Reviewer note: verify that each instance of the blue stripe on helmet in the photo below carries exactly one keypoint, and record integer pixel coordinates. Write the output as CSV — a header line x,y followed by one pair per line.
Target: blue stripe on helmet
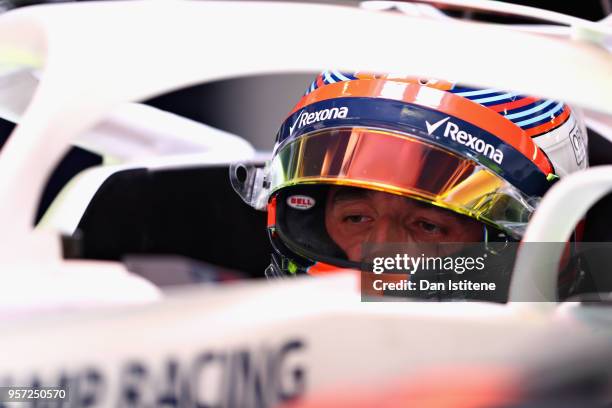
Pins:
x,y
544,117
328,78
341,76
520,113
476,92
526,107
496,98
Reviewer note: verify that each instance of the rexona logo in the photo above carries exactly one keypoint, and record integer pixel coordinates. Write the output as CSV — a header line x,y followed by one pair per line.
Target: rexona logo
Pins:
x,y
301,202
306,118
472,142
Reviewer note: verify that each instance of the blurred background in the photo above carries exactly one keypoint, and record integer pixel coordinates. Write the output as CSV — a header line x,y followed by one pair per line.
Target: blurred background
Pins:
x,y
264,101
171,212
254,107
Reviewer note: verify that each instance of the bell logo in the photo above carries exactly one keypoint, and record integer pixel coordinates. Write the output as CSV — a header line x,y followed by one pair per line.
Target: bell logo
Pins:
x,y
300,202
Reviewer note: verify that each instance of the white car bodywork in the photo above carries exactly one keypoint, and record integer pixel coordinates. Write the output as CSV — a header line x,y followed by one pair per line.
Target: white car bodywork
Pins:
x,y
120,56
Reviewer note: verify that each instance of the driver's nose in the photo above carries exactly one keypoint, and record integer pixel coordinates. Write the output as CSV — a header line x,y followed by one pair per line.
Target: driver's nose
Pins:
x,y
388,229
387,239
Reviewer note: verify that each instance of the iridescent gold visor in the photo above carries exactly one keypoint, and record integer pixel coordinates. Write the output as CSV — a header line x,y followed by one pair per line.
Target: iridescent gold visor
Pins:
x,y
395,163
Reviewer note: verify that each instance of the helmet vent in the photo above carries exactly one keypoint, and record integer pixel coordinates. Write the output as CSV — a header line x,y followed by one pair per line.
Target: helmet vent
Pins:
x,y
241,173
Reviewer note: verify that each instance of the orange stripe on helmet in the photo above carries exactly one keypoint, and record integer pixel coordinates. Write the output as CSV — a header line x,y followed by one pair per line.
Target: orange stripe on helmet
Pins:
x,y
320,81
365,75
430,82
442,101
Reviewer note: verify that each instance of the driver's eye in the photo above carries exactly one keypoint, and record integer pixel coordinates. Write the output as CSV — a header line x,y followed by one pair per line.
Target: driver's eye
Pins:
x,y
429,227
356,219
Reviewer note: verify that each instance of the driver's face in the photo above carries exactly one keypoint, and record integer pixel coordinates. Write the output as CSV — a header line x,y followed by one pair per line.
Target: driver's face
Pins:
x,y
356,216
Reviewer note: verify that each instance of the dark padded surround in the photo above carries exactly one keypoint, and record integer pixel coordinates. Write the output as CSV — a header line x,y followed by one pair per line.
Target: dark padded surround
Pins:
x,y
194,212
191,212
598,227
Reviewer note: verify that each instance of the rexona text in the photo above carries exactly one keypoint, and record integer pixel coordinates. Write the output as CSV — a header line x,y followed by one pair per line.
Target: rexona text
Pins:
x,y
473,142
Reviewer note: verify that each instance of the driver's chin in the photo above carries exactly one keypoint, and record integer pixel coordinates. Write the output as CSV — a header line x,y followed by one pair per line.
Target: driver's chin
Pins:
x,y
354,254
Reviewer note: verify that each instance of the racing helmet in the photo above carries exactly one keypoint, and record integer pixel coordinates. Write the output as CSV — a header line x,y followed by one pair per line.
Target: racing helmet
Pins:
x,y
486,154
